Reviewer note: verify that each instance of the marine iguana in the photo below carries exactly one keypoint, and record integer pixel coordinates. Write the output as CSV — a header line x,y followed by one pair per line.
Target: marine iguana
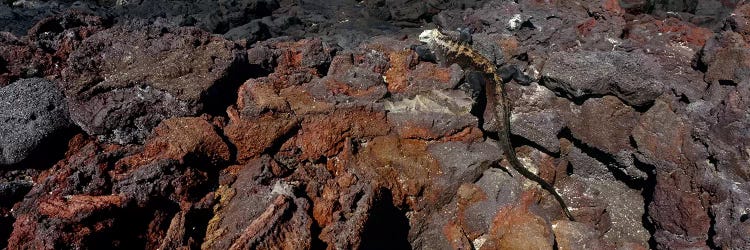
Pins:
x,y
449,50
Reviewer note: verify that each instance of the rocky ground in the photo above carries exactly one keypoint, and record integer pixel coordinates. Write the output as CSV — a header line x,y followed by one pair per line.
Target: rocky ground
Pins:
x,y
278,124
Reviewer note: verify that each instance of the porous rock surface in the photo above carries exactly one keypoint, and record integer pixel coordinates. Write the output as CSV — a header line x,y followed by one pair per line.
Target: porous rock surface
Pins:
x,y
303,125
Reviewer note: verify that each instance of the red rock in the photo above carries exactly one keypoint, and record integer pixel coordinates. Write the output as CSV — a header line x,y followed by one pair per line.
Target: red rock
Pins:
x,y
677,210
457,237
253,136
406,161
401,62
357,76
45,50
324,135
614,6
659,134
295,235
184,139
669,31
516,227
259,95
76,207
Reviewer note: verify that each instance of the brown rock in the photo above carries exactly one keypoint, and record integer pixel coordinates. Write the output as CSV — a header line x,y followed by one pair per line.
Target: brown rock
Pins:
x,y
259,95
252,215
605,124
609,207
571,235
253,136
146,77
728,59
515,227
44,52
75,207
678,212
401,62
356,76
659,134
185,139
325,135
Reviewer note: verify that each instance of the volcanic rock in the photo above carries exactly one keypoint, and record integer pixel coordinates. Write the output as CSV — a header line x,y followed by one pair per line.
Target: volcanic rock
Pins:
x,y
34,116
631,77
123,81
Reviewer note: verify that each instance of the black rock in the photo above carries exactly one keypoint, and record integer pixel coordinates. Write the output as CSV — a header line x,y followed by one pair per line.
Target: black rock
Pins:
x,y
32,112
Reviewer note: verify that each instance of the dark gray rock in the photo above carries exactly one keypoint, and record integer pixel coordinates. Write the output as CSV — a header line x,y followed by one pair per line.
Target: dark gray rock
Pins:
x,y
536,115
32,112
633,77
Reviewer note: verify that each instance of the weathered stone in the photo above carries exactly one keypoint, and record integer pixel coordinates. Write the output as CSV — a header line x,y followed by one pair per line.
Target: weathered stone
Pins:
x,y
45,50
659,135
145,78
496,189
33,118
570,235
516,227
253,215
632,77
184,139
605,124
324,135
253,136
727,58
356,77
624,209
536,115
432,115
679,215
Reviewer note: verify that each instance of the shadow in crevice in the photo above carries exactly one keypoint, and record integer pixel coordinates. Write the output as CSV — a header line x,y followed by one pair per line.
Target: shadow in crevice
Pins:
x,y
647,191
6,228
387,227
607,160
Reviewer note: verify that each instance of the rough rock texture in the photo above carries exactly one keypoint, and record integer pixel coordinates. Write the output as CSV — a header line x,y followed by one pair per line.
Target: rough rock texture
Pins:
x,y
264,124
629,76
44,51
33,118
121,82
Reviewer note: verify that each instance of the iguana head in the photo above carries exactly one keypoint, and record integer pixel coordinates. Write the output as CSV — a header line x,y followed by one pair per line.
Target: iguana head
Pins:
x,y
430,36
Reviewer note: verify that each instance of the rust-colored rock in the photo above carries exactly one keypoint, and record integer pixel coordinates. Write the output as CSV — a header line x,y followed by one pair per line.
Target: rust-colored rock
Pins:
x,y
659,134
324,135
516,227
253,136
253,215
123,81
185,139
44,52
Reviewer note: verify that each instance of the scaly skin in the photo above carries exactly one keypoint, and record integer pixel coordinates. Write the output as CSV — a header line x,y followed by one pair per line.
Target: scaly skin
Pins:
x,y
465,56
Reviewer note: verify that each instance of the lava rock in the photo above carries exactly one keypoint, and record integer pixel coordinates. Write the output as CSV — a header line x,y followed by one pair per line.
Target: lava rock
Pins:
x,y
251,214
433,115
536,114
727,59
34,114
604,125
123,81
632,77
45,50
